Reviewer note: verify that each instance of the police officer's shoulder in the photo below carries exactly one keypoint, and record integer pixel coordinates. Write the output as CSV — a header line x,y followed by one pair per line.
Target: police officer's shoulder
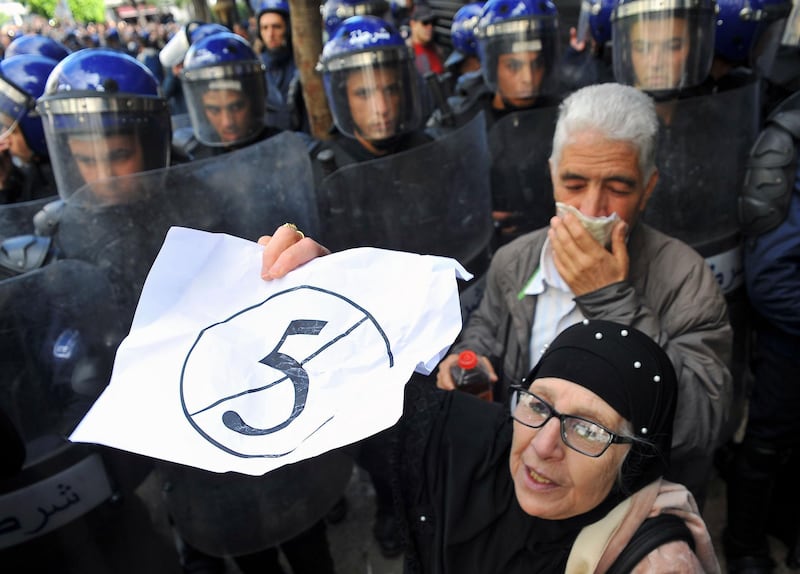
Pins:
x,y
24,253
771,170
46,220
184,144
328,155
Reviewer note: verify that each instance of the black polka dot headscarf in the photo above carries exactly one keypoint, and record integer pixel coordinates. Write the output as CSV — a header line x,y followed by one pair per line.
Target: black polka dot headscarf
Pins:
x,y
629,371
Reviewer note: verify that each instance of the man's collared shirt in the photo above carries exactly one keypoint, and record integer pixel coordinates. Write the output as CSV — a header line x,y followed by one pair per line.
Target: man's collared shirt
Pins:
x,y
555,304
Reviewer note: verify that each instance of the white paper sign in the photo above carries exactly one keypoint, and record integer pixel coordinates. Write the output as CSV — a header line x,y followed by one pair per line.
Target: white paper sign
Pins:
x,y
226,372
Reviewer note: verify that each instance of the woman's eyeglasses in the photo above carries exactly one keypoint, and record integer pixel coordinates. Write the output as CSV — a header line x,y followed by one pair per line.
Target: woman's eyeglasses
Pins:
x,y
580,434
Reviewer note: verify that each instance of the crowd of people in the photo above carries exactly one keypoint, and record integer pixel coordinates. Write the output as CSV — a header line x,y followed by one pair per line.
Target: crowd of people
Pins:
x,y
629,199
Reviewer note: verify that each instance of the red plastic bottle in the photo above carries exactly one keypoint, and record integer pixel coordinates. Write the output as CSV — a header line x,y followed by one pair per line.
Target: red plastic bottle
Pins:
x,y
470,376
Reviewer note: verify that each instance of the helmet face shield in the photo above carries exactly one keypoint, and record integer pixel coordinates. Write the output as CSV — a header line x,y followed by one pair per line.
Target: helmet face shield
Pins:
x,y
663,46
14,105
93,139
226,102
518,58
791,34
374,95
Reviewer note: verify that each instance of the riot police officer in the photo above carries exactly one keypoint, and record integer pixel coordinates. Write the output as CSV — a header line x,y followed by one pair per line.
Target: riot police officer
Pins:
x,y
372,88
464,57
285,105
431,198
664,49
223,81
761,492
171,58
103,117
782,71
746,38
25,167
518,50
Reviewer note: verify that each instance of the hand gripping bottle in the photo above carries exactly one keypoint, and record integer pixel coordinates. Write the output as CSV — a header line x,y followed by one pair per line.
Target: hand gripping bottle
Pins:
x,y
470,376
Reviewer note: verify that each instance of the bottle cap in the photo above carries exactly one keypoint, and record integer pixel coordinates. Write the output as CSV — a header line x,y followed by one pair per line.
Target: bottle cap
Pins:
x,y
467,359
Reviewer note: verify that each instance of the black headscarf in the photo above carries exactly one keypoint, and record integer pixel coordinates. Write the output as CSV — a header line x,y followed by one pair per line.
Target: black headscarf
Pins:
x,y
629,371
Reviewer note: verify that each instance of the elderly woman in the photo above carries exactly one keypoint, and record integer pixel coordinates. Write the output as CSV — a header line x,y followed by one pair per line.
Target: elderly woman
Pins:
x,y
563,485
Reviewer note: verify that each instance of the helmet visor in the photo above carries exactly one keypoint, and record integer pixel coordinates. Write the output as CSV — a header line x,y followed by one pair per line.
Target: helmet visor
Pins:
x,y
791,34
375,102
226,109
518,58
14,104
93,139
666,49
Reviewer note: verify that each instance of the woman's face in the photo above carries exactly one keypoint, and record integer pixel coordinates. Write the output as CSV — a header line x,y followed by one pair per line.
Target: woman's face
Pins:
x,y
551,480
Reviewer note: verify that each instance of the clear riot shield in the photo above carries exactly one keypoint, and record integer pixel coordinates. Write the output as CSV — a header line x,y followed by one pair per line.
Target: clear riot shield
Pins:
x,y
68,507
432,199
701,161
520,144
17,218
233,514
120,223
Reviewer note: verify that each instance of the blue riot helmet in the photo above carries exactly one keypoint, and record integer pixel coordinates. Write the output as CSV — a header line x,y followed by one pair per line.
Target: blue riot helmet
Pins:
x,y
103,117
223,81
36,44
175,50
371,80
22,81
663,46
335,12
279,6
748,28
518,49
462,34
400,11
594,21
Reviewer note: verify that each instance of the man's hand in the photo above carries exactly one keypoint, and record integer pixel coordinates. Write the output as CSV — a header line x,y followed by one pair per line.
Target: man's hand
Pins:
x,y
444,380
287,249
581,261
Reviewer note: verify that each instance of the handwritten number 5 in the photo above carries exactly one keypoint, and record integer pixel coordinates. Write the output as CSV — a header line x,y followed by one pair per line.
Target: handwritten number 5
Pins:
x,y
293,370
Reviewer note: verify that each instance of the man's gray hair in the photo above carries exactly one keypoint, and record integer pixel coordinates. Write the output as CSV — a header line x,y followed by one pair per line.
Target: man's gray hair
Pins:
x,y
616,112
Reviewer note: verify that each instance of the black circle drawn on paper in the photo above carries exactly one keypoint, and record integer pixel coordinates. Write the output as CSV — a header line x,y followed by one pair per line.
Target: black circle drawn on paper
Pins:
x,y
291,368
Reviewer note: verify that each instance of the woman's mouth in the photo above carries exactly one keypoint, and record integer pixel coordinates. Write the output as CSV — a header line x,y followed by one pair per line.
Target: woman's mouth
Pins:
x,y
538,478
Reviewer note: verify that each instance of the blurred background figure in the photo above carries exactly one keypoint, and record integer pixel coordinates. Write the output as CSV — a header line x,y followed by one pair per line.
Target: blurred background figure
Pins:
x,y
284,99
426,53
587,58
334,12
